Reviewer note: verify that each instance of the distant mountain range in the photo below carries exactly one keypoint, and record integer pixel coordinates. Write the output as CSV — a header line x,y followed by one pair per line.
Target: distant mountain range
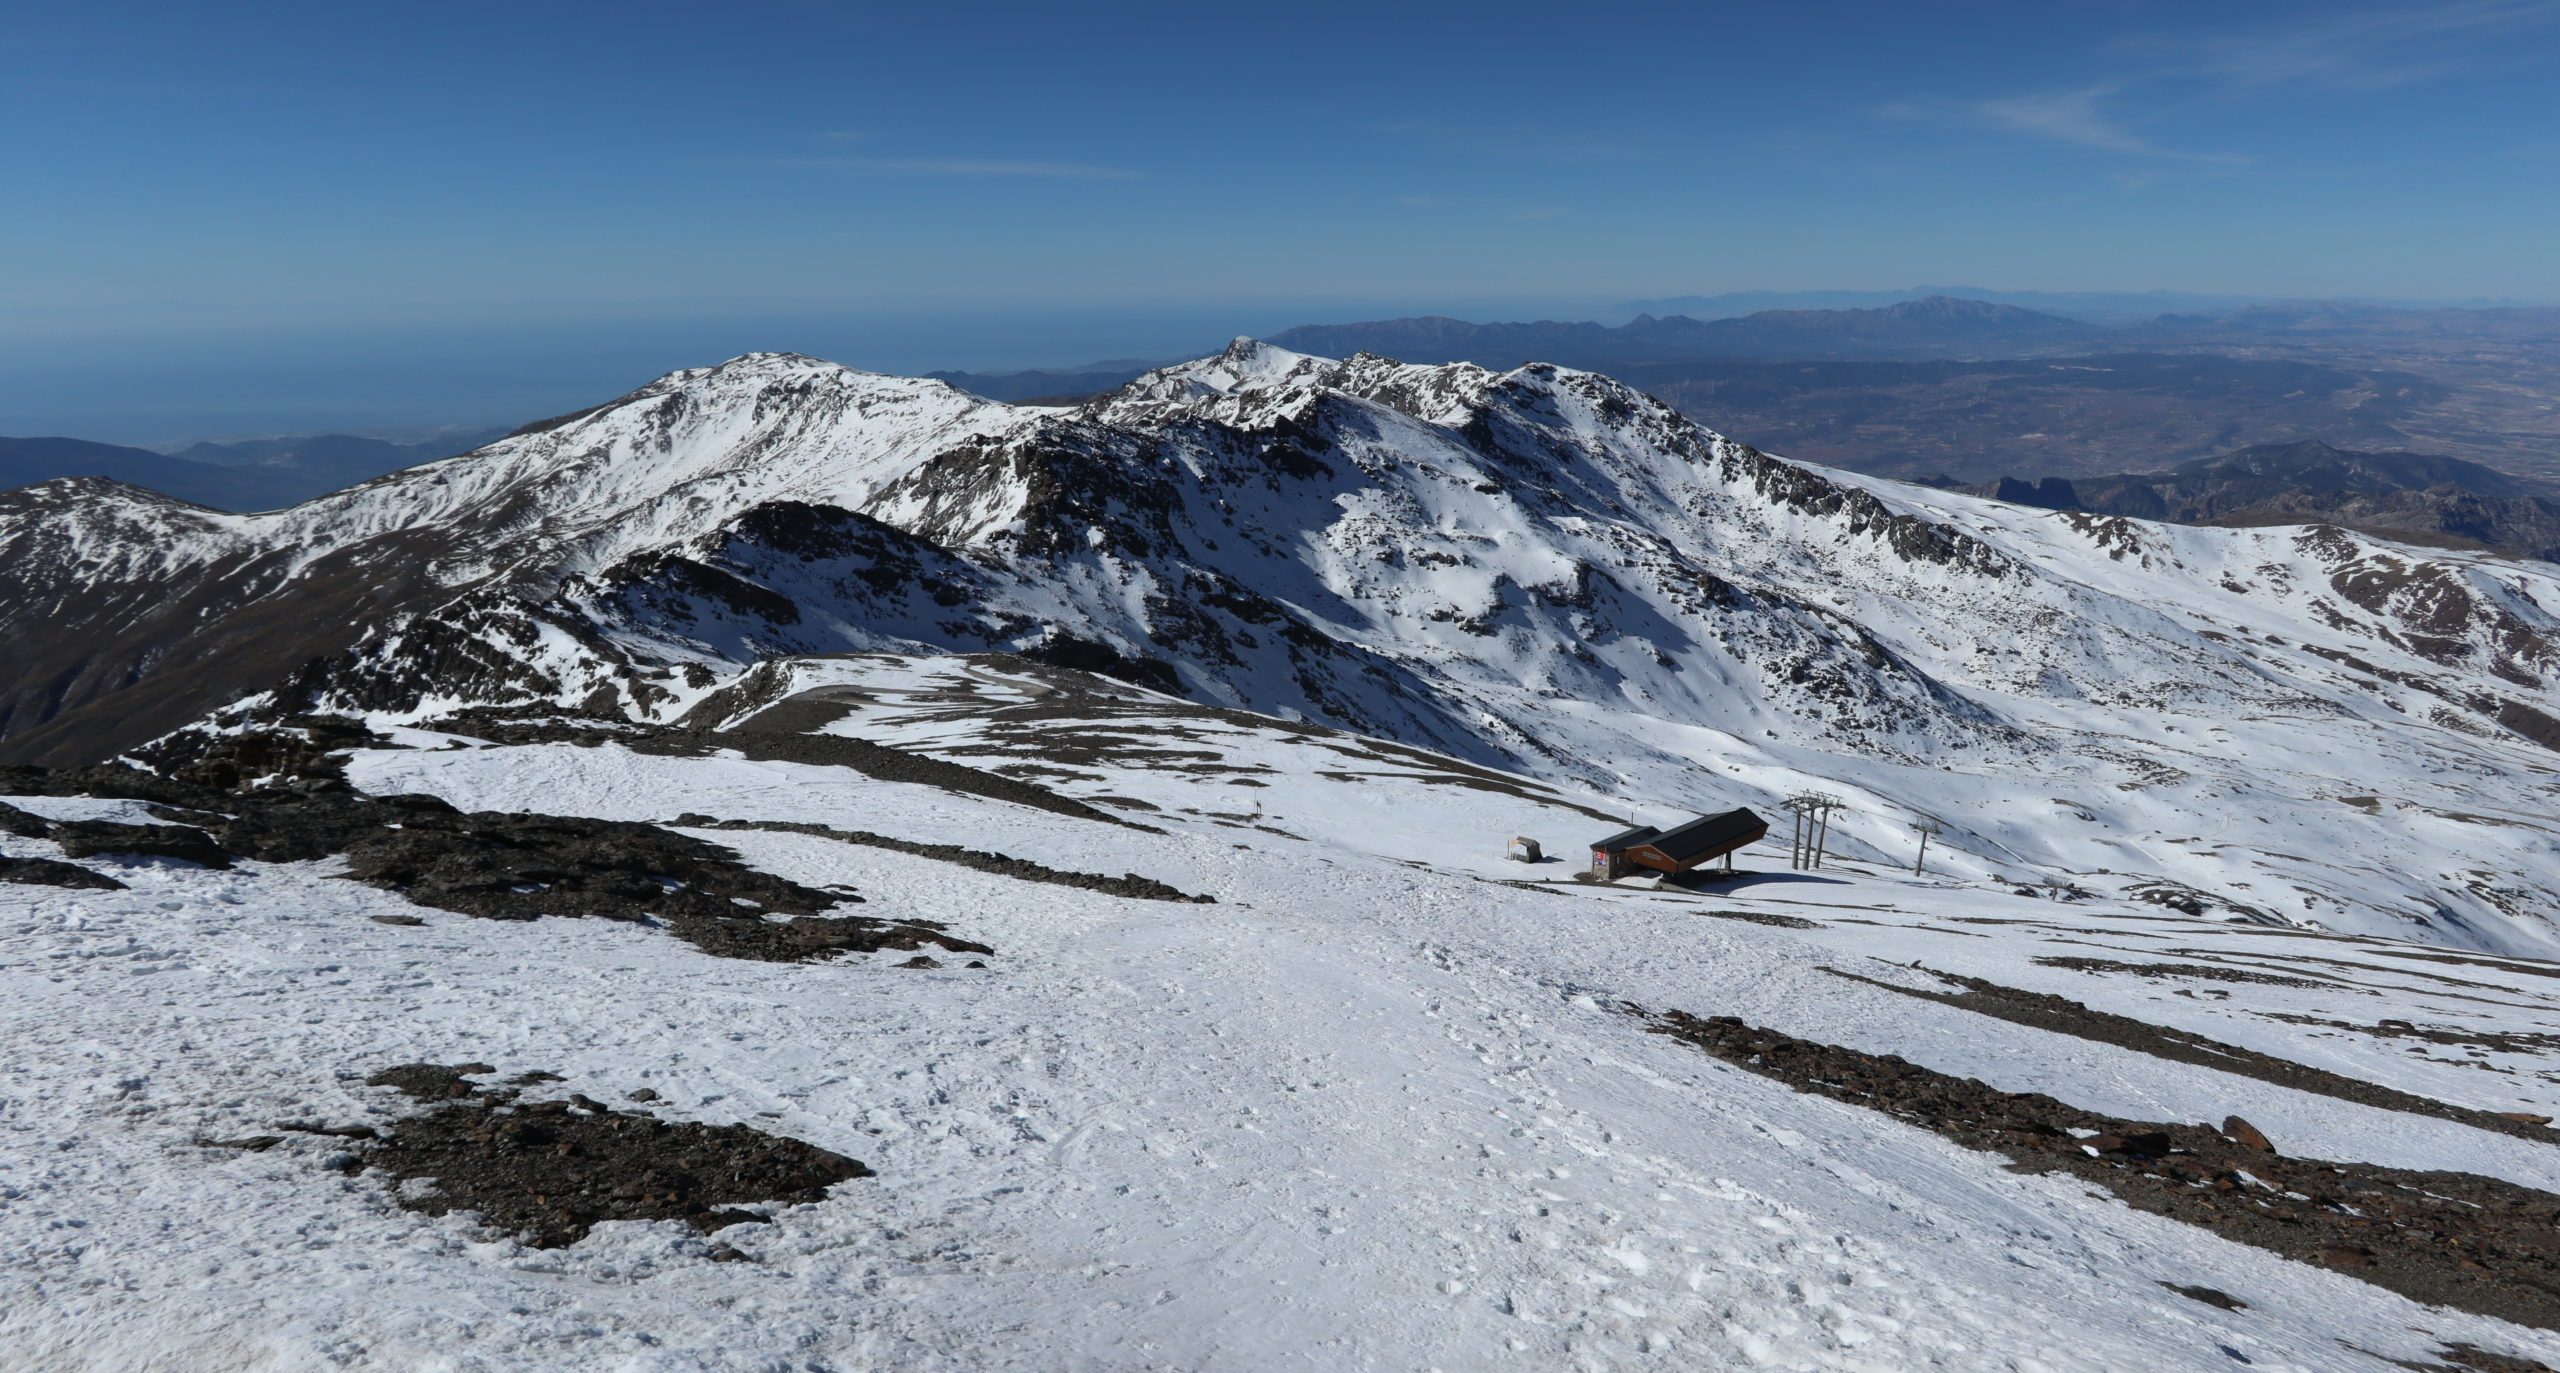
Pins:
x,y
1965,353
253,474
2409,496
2097,306
2102,307
1931,327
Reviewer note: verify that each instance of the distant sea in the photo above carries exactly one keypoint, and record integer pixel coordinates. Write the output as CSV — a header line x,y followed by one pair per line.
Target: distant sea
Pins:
x,y
215,383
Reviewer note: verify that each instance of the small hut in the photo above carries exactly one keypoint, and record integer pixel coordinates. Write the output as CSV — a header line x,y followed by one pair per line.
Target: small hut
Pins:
x,y
1609,856
1679,848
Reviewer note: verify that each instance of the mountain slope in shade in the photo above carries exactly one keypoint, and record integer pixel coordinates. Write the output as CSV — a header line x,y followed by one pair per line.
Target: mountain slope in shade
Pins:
x,y
111,584
2412,496
1536,568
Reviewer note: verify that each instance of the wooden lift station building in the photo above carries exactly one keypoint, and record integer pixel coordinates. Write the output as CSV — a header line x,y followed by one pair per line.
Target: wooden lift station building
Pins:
x,y
1677,849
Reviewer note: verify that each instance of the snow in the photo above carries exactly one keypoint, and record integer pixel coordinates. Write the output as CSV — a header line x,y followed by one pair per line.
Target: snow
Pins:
x,y
687,451
1372,1109
2107,703
1379,1106
1536,569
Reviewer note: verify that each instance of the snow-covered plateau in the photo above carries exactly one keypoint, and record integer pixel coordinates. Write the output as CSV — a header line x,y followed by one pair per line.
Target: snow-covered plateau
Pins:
x,y
1092,821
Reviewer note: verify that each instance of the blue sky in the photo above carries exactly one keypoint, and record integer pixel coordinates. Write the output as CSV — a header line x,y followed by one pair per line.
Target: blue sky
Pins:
x,y
229,194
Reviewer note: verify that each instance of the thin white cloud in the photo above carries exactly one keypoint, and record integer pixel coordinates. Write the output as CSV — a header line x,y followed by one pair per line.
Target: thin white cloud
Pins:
x,y
2078,117
2065,116
2369,50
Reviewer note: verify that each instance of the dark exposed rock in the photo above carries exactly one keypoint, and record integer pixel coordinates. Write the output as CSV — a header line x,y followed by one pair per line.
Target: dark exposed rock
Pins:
x,y
2061,1015
522,867
2193,971
2246,1135
111,781
247,1144
549,1171
89,838
1002,865
2210,1296
46,872
495,866
2139,1144
1091,655
308,1127
2539,726
1772,918
2464,1357
306,753
289,828
2474,1243
686,577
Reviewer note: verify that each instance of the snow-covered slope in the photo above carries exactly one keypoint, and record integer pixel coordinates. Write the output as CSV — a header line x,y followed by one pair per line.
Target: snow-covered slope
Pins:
x,y
1538,569
1387,1104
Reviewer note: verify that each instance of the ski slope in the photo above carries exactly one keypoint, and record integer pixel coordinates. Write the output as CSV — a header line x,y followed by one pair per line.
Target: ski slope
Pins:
x,y
1377,1107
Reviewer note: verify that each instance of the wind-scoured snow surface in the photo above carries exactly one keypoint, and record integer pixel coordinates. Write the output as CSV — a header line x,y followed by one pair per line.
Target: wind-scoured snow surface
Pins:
x,y
1375,1108
1540,570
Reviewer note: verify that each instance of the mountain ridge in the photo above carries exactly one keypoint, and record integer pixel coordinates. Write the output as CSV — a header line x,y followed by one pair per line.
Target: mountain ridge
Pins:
x,y
1538,569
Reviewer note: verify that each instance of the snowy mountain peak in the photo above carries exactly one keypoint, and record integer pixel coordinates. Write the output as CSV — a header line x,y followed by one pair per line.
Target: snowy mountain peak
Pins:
x,y
1248,356
1245,366
1540,570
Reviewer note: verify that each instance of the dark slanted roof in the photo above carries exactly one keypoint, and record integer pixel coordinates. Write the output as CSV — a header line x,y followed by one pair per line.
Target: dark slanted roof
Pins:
x,y
1625,839
1708,834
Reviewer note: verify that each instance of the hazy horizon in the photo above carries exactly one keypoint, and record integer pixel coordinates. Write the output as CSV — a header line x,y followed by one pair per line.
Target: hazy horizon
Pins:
x,y
216,384
285,218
